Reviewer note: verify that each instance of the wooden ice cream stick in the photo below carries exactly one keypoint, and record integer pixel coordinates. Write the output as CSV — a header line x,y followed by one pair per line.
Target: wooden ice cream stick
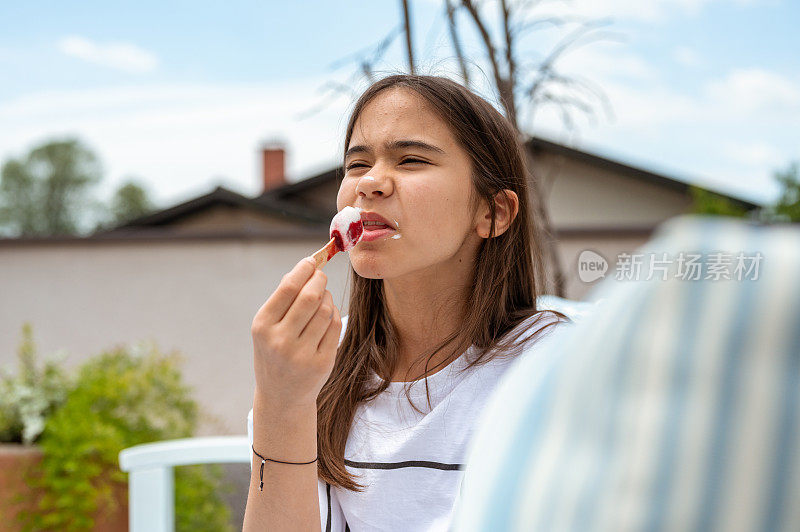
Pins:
x,y
325,253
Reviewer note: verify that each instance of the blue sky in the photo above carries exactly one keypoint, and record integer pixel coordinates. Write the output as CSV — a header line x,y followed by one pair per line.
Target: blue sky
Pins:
x,y
179,95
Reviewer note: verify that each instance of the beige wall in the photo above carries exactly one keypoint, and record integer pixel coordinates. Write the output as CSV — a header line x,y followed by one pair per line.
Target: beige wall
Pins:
x,y
581,195
197,297
611,212
609,247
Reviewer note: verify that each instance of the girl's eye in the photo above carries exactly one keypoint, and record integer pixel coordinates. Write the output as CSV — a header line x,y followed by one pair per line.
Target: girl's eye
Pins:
x,y
412,160
354,165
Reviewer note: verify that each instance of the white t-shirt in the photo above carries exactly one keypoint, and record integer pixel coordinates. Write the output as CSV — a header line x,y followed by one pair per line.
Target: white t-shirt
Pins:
x,y
411,464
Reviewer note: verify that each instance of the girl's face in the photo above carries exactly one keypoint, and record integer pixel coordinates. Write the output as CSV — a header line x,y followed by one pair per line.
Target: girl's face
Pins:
x,y
403,166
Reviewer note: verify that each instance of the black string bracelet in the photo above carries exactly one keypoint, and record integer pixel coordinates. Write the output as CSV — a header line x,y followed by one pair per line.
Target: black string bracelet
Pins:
x,y
265,460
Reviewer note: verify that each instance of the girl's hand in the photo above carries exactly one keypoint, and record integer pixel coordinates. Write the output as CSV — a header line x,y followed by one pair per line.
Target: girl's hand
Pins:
x,y
295,335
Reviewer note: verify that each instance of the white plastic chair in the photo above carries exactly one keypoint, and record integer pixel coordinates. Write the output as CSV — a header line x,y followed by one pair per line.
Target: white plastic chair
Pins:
x,y
151,490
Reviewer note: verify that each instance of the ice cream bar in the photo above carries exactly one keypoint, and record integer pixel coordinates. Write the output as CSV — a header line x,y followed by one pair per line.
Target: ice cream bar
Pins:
x,y
346,230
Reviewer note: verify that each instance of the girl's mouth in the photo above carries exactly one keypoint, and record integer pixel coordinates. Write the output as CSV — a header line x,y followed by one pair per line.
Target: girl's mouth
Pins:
x,y
376,230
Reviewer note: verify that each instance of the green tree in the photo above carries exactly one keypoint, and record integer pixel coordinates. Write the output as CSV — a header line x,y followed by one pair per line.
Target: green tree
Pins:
x,y
130,201
707,202
48,191
787,208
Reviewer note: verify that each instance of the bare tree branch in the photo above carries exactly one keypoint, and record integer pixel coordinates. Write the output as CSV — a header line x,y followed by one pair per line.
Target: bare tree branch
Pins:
x,y
456,41
366,69
519,83
580,84
330,92
508,79
487,40
563,103
374,52
407,26
574,40
510,63
504,86
546,74
541,215
365,60
526,26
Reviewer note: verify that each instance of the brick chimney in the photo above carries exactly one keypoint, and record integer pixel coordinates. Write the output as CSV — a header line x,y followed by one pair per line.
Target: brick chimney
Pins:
x,y
273,164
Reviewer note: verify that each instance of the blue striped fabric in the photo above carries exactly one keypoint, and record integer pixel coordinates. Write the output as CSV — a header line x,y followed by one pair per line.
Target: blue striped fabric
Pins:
x,y
674,406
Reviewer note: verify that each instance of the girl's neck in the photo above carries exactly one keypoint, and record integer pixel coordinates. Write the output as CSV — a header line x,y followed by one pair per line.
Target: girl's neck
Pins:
x,y
425,309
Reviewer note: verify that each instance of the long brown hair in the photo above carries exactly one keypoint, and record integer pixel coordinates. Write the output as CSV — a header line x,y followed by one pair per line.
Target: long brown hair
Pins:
x,y
508,273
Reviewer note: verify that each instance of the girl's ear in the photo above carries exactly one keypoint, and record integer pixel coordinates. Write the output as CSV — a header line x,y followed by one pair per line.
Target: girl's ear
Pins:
x,y
506,205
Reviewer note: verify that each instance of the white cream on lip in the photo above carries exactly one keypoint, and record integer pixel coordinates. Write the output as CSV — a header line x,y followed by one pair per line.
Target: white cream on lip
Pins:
x,y
341,223
397,228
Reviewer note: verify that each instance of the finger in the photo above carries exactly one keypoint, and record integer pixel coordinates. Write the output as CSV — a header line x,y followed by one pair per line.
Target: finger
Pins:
x,y
305,304
279,302
330,340
319,322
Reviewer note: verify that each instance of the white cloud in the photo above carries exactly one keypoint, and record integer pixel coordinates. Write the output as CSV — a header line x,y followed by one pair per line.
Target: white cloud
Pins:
x,y
117,55
650,10
181,139
607,60
640,10
642,98
641,102
755,90
731,131
687,57
755,154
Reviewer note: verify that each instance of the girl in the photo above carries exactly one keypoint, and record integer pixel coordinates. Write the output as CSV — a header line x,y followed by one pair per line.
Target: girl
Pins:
x,y
372,435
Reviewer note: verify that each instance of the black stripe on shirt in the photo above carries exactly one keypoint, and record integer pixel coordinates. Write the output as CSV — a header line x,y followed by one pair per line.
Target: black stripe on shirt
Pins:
x,y
386,465
407,463
328,521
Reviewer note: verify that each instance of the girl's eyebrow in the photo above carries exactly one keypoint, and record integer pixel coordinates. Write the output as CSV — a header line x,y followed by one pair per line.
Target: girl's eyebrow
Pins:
x,y
396,145
400,144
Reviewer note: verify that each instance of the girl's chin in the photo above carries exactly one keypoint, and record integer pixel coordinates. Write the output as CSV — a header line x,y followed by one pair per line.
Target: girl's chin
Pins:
x,y
370,265
375,276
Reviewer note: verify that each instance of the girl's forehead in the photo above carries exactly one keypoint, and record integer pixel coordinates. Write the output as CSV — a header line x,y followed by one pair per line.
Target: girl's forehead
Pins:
x,y
399,97
399,112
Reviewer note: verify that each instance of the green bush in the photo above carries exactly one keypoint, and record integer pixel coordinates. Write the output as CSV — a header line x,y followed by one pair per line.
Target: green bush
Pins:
x,y
707,202
28,398
198,506
118,399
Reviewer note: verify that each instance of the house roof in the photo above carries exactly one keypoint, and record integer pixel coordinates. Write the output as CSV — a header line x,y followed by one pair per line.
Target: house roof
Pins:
x,y
166,234
264,204
281,192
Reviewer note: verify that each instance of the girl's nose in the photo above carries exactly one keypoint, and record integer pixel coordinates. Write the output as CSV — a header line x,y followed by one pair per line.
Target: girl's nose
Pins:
x,y
370,186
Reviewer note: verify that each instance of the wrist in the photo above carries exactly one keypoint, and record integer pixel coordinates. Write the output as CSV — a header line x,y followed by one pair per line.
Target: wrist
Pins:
x,y
284,432
266,402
